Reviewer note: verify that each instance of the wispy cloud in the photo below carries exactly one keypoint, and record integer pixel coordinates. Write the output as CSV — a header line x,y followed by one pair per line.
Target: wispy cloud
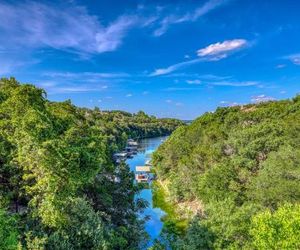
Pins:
x,y
169,20
235,83
196,81
65,89
177,104
232,83
174,67
28,24
129,95
295,58
280,66
11,63
220,50
78,82
80,75
180,89
211,77
229,104
69,82
262,98
213,52
202,77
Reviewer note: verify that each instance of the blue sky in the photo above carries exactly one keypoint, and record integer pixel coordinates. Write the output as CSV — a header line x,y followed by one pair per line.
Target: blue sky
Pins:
x,y
168,58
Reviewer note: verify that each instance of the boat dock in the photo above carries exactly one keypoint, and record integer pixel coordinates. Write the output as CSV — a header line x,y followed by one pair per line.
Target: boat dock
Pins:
x,y
130,150
141,178
143,173
145,169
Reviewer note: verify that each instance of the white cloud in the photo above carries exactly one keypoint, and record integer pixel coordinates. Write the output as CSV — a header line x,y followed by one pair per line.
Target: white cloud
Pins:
x,y
28,24
111,37
213,52
196,81
261,98
172,19
174,67
280,66
295,58
214,77
180,89
177,104
71,82
235,84
62,87
221,50
129,95
70,89
229,104
85,75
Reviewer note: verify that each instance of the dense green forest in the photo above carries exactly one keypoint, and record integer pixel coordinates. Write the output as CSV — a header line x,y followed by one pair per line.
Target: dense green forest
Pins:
x,y
59,188
241,167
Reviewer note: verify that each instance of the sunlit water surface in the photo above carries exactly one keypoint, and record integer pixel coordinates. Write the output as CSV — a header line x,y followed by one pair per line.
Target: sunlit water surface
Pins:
x,y
146,147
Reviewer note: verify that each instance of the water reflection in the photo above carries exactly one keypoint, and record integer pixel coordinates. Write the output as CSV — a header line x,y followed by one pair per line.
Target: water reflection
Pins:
x,y
146,147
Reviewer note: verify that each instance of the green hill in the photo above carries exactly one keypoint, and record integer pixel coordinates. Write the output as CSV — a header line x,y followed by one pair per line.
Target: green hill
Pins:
x,y
241,166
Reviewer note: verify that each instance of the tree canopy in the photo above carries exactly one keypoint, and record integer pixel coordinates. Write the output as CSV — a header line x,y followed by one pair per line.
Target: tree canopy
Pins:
x,y
57,176
242,164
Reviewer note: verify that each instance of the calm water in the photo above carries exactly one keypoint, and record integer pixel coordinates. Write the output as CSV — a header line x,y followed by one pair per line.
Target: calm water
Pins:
x,y
146,147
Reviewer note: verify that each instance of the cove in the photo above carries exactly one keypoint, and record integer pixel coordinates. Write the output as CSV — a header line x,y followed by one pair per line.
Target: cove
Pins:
x,y
154,225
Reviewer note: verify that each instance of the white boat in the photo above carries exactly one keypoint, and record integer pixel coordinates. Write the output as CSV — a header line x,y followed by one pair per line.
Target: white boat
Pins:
x,y
141,178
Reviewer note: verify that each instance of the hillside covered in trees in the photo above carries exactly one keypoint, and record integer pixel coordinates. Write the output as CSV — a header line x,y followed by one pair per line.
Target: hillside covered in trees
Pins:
x,y
59,188
241,167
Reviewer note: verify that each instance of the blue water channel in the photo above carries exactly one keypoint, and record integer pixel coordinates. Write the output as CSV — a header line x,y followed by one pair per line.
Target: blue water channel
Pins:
x,y
153,226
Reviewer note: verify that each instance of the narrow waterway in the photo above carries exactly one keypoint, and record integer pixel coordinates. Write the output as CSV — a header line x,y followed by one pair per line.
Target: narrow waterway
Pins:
x,y
146,147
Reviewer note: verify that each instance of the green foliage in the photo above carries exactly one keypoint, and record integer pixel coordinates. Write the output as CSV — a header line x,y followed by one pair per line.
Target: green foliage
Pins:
x,y
172,222
278,179
83,230
277,230
237,162
57,173
8,232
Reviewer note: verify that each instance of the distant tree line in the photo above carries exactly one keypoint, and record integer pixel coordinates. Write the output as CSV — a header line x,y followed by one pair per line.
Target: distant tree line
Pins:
x,y
243,165
59,188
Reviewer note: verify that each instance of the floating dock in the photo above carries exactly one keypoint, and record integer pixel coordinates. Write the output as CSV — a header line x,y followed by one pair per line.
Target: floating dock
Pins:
x,y
132,143
142,169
